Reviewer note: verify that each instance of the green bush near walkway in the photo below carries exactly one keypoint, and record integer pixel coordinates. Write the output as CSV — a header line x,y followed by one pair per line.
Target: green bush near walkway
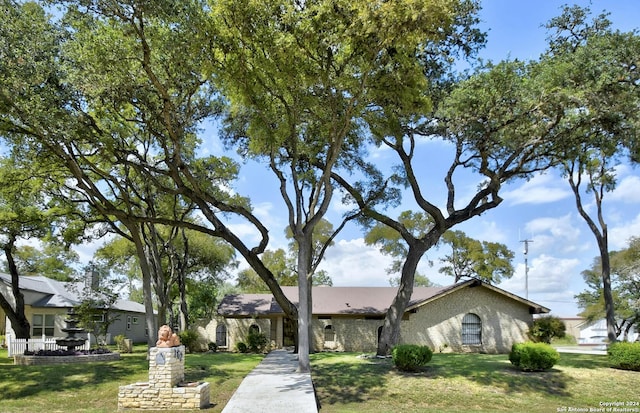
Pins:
x,y
625,356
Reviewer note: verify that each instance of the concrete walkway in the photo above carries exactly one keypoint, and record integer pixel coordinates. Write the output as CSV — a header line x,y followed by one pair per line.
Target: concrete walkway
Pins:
x,y
274,386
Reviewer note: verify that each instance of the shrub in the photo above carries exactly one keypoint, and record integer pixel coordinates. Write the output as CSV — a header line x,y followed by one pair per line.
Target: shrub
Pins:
x,y
213,347
533,356
241,347
257,342
625,356
189,338
119,339
546,328
410,357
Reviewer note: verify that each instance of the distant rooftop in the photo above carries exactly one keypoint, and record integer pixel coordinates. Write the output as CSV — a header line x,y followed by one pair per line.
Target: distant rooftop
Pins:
x,y
47,292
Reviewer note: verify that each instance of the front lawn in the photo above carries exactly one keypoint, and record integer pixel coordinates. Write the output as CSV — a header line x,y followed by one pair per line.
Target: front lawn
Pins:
x,y
93,387
469,383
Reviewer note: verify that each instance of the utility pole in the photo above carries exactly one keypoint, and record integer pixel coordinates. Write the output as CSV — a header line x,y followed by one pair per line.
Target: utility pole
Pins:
x,y
526,266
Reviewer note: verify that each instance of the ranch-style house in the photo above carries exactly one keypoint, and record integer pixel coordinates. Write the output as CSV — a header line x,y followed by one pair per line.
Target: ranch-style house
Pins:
x,y
470,316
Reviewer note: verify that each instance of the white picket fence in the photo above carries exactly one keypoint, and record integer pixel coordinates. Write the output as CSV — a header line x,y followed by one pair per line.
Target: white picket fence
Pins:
x,y
19,345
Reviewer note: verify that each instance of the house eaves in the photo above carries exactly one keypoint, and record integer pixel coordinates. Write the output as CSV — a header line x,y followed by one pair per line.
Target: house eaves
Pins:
x,y
352,301
534,308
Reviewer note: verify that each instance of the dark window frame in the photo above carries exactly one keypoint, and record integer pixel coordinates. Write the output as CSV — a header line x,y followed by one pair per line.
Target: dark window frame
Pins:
x,y
471,330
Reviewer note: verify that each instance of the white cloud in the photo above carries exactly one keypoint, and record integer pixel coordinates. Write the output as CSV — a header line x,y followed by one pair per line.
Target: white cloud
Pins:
x,y
541,189
353,263
549,280
558,234
619,235
627,190
490,231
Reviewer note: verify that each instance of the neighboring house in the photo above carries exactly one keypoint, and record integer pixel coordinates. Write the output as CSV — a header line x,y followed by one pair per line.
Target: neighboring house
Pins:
x,y
573,325
471,316
595,333
47,302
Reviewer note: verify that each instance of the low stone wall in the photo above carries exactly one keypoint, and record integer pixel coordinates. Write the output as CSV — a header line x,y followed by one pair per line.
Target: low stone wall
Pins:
x,y
22,360
166,388
145,396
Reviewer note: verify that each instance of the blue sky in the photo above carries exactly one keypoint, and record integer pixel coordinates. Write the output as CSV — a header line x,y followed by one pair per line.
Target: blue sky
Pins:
x,y
541,210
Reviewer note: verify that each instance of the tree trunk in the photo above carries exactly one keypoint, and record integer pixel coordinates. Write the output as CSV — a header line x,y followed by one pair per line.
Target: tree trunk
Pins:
x,y
19,322
601,234
152,327
391,329
184,309
304,305
608,296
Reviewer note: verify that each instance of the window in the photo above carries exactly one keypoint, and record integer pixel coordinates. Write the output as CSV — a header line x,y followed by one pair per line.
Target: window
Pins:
x,y
471,330
43,324
128,322
135,320
329,333
221,335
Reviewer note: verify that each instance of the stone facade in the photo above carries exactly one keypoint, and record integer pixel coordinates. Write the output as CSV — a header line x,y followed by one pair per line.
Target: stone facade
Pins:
x,y
504,320
166,388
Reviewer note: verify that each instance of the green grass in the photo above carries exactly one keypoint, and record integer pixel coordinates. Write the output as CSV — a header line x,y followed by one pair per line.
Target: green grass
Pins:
x,y
467,383
93,387
344,383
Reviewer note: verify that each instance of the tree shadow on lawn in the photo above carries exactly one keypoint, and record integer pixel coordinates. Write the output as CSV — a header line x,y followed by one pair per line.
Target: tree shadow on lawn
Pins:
x,y
354,380
497,371
17,382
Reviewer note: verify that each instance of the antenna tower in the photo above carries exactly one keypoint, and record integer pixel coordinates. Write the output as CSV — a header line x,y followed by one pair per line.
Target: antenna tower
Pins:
x,y
526,266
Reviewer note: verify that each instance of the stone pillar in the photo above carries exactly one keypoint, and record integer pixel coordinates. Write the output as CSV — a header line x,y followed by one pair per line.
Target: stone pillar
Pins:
x,y
166,388
166,366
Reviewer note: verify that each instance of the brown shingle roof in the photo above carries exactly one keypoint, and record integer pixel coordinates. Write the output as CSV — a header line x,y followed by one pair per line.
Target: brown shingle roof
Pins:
x,y
346,300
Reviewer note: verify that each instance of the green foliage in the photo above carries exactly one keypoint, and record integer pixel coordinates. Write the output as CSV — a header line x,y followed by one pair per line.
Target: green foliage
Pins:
x,y
391,243
624,355
241,347
257,342
119,339
625,265
488,261
283,268
410,357
190,338
53,260
213,347
533,356
419,280
544,329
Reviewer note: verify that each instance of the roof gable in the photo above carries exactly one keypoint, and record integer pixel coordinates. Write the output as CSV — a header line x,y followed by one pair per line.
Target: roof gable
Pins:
x,y
47,292
366,301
